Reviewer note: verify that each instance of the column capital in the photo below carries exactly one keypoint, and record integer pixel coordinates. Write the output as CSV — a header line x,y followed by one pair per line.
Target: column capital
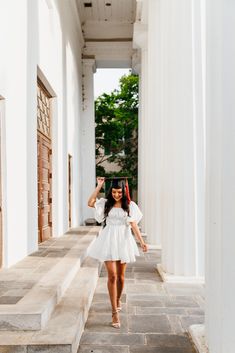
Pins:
x,y
89,62
140,35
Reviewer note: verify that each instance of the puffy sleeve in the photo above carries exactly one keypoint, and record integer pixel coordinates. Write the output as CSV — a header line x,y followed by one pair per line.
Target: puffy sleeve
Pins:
x,y
135,213
99,209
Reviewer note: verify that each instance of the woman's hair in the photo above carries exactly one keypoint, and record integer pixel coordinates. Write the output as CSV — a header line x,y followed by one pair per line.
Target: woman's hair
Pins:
x,y
110,201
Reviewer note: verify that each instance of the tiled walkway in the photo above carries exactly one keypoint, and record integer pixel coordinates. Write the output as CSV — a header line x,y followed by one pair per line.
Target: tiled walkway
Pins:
x,y
155,315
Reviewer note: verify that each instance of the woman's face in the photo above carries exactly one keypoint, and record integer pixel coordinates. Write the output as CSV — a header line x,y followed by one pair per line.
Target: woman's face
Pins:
x,y
117,194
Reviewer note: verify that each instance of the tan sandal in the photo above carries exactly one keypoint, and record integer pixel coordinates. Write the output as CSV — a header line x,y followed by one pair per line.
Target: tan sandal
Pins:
x,y
115,324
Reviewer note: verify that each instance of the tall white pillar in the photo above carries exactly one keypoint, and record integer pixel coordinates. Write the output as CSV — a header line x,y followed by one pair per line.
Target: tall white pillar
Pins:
x,y
220,211
148,168
18,63
88,136
153,125
175,145
140,42
142,161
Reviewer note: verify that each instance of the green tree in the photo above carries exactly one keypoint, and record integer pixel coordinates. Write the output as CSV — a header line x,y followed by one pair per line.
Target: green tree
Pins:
x,y
116,117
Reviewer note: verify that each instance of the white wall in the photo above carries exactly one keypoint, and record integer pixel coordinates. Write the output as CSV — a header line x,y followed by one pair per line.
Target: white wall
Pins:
x,y
60,61
44,34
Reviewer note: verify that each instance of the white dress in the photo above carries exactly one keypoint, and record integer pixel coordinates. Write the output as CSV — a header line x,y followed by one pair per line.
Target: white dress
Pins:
x,y
115,241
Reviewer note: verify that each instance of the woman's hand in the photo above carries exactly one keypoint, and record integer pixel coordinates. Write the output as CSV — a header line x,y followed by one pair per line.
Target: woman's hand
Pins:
x,y
100,181
92,198
144,247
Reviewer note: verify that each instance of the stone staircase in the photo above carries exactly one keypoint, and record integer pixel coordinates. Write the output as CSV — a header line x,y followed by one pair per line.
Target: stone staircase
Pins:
x,y
51,315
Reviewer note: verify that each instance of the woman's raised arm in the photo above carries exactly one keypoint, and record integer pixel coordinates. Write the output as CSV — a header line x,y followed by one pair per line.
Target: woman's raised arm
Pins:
x,y
92,198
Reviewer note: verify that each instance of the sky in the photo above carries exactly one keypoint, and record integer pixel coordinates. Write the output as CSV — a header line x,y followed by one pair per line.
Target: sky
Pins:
x,y
106,80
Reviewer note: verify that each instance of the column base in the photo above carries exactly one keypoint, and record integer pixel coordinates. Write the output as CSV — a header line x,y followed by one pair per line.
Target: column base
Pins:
x,y
197,334
170,278
154,247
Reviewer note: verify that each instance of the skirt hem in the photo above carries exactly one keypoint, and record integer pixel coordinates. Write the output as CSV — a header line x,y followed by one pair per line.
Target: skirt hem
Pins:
x,y
122,261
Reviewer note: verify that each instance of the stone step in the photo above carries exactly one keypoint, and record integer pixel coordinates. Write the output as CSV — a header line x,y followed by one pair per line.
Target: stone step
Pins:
x,y
33,311
63,331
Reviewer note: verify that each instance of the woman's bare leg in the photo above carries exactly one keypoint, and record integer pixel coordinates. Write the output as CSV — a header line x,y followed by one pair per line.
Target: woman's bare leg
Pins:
x,y
112,286
121,268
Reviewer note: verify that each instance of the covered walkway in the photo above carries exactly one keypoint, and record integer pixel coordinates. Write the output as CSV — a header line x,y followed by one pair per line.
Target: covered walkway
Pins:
x,y
184,56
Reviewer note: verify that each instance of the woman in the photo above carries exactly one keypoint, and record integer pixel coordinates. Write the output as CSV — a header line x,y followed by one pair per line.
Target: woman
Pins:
x,y
115,244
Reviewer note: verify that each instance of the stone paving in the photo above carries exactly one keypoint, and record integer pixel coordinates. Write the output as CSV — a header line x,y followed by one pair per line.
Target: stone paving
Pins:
x,y
155,315
17,281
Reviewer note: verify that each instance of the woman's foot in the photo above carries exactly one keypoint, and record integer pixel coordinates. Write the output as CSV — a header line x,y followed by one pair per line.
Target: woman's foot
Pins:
x,y
115,319
119,305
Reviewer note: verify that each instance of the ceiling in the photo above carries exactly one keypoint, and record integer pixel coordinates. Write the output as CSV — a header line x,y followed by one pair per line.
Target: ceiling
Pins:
x,y
107,27
107,10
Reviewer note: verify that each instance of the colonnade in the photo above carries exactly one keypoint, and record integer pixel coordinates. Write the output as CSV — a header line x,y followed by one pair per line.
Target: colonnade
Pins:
x,y
186,149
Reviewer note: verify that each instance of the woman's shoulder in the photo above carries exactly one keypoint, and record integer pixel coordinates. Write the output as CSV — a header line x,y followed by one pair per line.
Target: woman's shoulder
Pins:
x,y
100,202
101,199
133,204
135,212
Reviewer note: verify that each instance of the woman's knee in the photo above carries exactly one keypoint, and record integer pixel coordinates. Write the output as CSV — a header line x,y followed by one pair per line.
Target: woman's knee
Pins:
x,y
121,278
112,277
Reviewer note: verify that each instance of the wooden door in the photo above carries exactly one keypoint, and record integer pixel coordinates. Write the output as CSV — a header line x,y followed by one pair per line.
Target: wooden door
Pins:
x,y
70,188
44,164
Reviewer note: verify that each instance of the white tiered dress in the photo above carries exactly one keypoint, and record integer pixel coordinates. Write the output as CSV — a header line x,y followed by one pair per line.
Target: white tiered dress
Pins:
x,y
115,241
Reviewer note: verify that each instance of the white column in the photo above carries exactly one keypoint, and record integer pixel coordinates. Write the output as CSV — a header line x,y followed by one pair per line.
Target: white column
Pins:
x,y
175,179
18,67
88,137
140,42
153,126
220,215
145,37
142,161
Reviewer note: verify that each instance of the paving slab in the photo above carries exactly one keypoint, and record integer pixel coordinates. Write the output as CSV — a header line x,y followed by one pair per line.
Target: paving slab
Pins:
x,y
184,289
161,340
150,310
176,324
149,323
117,338
146,303
146,297
146,276
101,322
181,302
143,288
147,349
104,297
104,308
103,349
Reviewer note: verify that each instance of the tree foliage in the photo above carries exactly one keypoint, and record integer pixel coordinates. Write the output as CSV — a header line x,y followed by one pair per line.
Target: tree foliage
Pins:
x,y
116,116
